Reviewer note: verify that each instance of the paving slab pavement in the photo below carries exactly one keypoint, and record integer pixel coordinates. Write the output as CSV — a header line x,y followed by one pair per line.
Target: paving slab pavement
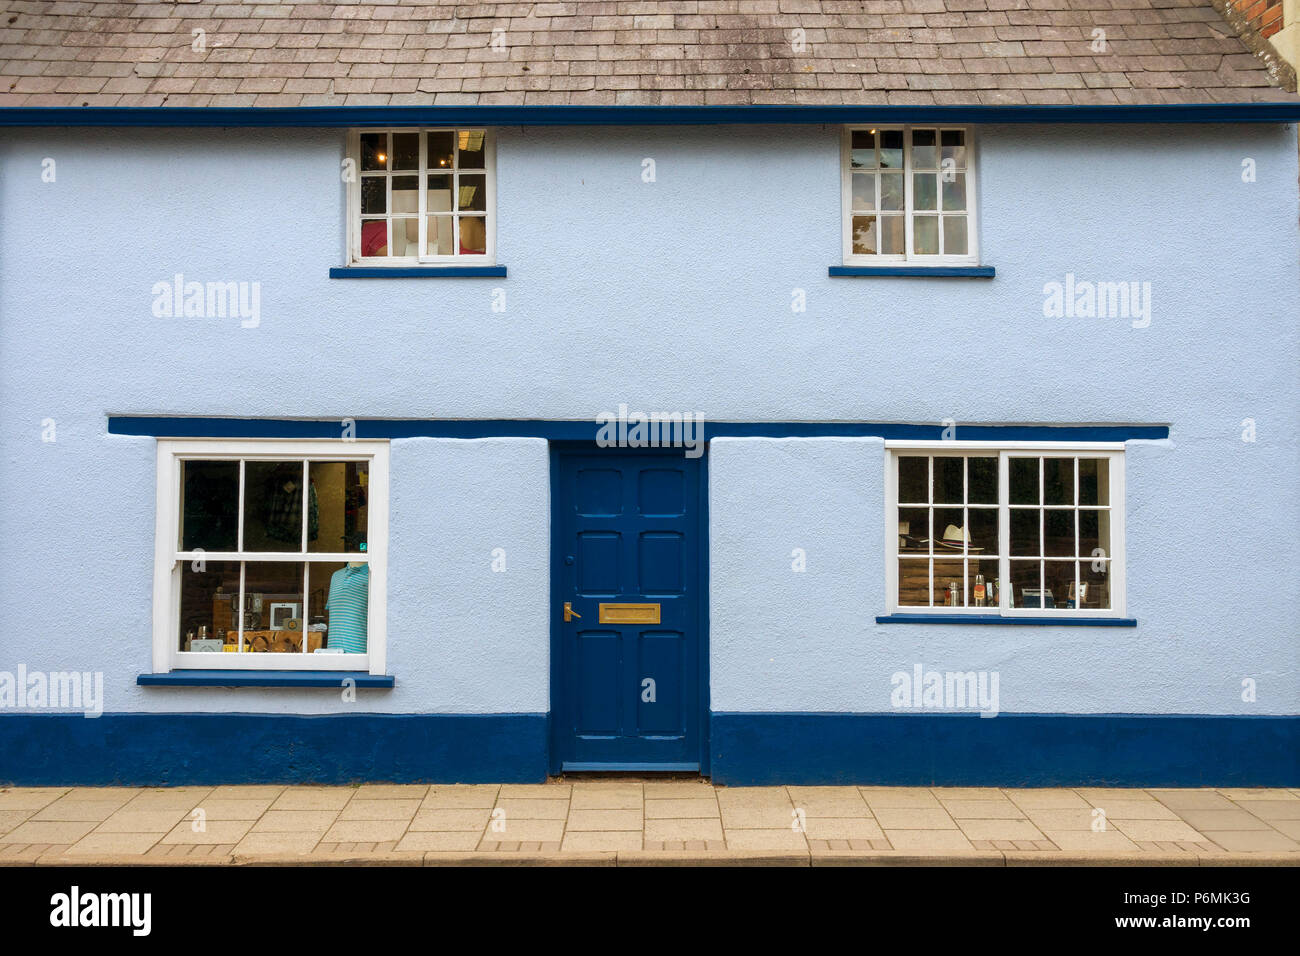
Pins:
x,y
646,822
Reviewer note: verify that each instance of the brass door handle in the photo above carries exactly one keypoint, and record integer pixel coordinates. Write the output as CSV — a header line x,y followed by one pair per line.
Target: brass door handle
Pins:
x,y
569,612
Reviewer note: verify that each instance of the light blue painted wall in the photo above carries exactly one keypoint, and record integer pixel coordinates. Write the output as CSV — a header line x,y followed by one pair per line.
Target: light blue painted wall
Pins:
x,y
671,295
1210,613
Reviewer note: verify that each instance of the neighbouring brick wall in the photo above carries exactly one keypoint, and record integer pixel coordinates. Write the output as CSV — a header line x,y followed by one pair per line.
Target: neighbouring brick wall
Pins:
x,y
1264,16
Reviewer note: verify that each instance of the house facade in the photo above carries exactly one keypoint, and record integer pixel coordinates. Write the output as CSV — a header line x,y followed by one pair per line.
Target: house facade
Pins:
x,y
776,432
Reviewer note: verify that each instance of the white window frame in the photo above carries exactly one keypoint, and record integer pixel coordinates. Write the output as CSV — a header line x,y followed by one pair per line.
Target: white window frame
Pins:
x,y
355,258
908,257
169,558
1112,451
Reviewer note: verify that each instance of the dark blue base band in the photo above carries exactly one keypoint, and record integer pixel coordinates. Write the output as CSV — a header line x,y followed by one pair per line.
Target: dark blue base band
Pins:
x,y
177,749
1010,750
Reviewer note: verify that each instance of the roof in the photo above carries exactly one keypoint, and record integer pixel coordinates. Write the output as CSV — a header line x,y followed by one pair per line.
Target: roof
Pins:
x,y
72,53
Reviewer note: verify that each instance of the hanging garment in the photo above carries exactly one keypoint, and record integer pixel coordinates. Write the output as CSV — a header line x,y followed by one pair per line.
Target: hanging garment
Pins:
x,y
283,513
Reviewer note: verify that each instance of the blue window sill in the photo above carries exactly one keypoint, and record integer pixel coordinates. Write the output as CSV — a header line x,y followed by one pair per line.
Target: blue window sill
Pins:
x,y
418,272
998,619
223,678
956,272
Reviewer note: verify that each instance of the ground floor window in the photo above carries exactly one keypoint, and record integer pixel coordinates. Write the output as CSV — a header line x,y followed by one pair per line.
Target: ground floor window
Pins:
x,y
1015,531
271,555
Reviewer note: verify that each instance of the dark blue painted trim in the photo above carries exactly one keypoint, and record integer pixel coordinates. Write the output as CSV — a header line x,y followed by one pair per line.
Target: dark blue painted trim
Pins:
x,y
557,681
418,272
175,749
201,427
706,677
960,272
1010,750
998,619
223,678
361,116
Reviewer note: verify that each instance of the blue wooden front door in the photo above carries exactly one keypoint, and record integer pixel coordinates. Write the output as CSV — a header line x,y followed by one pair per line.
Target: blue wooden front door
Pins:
x,y
627,529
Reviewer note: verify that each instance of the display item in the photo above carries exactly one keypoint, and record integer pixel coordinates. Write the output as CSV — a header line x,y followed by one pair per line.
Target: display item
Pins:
x,y
347,604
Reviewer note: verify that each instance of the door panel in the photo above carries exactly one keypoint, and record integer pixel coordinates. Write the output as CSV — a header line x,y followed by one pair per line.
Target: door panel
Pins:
x,y
628,530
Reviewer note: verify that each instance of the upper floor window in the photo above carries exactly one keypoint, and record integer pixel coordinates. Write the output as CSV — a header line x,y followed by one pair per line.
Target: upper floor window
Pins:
x,y
421,196
1012,531
909,195
271,555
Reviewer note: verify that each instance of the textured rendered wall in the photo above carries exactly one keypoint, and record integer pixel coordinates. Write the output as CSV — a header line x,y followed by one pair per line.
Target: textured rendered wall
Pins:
x,y
461,637
807,641
673,295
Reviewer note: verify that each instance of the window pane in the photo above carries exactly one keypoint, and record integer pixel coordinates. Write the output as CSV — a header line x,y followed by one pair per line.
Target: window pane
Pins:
x,y
864,235
1094,534
1024,532
891,149
864,191
954,236
347,594
1060,582
373,151
470,142
406,194
273,497
914,582
891,191
980,578
338,493
954,193
206,611
913,479
1096,584
1058,533
925,154
1094,481
374,237
1058,481
982,476
948,583
473,235
1025,585
441,154
1024,481
406,236
948,478
374,195
210,505
983,526
438,240
925,190
277,588
950,534
406,151
473,193
439,193
914,530
862,149
893,235
925,235
317,618
953,147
